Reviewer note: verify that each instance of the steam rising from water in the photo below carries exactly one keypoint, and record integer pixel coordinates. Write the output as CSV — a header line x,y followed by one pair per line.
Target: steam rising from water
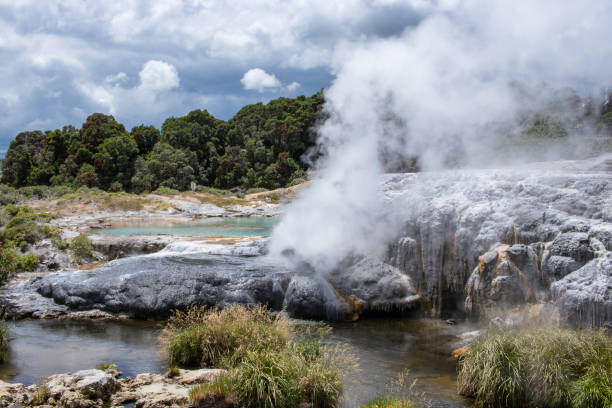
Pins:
x,y
448,85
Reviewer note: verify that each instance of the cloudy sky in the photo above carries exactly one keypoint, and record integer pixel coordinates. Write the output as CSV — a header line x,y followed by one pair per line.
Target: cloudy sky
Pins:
x,y
144,60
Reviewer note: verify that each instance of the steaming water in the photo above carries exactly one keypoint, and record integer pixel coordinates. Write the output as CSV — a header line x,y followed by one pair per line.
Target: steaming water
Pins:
x,y
234,227
39,348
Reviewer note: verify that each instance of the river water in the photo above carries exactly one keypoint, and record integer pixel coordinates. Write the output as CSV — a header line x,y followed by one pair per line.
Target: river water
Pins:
x,y
384,347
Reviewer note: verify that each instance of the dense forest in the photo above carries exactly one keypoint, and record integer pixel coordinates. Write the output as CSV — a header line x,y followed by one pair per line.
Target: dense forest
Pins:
x,y
261,146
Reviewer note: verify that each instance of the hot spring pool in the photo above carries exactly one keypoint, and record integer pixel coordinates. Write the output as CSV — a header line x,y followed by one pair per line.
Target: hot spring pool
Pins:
x,y
233,227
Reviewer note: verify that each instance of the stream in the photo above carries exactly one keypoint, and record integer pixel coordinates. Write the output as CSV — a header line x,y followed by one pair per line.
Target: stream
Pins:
x,y
384,347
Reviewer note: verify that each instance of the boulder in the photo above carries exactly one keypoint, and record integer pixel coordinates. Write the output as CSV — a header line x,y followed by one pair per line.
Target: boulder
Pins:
x,y
505,276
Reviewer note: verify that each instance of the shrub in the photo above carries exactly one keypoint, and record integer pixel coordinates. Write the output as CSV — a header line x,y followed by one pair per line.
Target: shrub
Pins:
x,y
81,247
539,367
27,262
8,263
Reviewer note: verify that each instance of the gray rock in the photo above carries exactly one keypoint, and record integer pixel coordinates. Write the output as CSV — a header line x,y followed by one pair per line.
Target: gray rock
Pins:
x,y
504,277
584,297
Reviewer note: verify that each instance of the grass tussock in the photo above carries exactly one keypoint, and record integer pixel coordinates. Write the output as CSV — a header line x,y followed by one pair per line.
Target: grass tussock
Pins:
x,y
539,368
270,362
4,340
203,337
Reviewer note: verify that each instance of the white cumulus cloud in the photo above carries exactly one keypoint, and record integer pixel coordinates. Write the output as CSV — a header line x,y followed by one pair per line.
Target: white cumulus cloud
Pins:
x,y
259,80
158,76
293,86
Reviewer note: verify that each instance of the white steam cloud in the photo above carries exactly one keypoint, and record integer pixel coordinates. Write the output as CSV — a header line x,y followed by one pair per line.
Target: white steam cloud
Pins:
x,y
444,86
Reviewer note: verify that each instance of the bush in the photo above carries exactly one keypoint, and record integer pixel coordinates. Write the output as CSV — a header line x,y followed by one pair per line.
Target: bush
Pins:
x,y
543,367
81,247
11,261
27,262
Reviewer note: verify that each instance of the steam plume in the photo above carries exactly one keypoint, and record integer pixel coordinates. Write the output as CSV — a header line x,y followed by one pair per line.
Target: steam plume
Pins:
x,y
445,86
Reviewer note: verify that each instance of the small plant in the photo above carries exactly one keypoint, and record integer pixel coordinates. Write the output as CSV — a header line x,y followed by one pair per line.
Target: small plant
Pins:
x,y
104,366
216,394
81,247
41,395
390,402
60,244
173,372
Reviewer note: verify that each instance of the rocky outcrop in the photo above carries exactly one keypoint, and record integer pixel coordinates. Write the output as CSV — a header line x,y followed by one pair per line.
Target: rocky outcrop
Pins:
x,y
98,389
474,240
584,297
466,241
113,247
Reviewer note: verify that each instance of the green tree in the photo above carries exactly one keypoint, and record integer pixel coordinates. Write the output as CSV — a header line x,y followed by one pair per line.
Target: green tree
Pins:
x,y
145,137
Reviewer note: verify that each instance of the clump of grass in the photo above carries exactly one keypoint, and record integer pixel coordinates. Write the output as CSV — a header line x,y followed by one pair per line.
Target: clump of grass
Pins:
x,y
173,372
217,394
104,366
539,367
270,364
41,395
220,338
4,340
81,247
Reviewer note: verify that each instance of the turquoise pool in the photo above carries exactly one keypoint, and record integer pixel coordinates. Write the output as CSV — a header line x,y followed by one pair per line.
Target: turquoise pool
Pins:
x,y
232,227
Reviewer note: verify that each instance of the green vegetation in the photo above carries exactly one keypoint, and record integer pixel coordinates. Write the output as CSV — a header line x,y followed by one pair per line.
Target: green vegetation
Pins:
x,y
173,372
41,395
390,402
260,146
81,247
212,338
539,367
4,340
269,364
104,366
20,227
